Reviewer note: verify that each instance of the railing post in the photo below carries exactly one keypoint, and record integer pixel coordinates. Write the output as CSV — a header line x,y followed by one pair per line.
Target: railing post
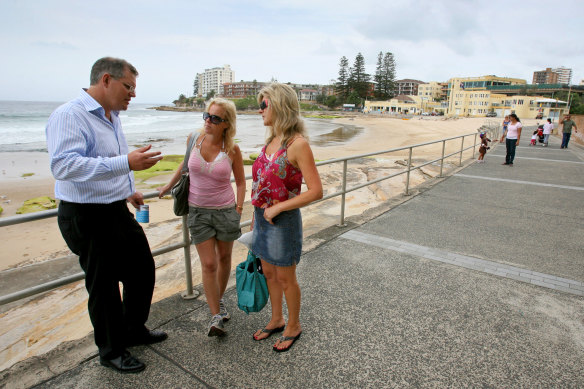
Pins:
x,y
342,222
474,146
461,149
189,293
442,159
408,174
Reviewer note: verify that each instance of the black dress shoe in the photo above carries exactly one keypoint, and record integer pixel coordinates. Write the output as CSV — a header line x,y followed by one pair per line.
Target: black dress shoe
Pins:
x,y
148,337
125,363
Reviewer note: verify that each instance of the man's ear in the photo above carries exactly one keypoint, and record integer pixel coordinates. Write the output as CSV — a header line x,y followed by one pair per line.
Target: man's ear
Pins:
x,y
106,79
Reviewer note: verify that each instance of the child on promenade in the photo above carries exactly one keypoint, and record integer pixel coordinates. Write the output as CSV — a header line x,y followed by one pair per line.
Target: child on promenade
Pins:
x,y
483,149
534,138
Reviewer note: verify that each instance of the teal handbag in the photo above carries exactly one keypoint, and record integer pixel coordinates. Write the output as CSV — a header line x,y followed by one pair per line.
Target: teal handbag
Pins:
x,y
252,289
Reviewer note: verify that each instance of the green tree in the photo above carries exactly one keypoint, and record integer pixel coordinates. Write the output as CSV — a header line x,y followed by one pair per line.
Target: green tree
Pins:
x,y
246,103
181,100
196,86
342,85
354,98
388,76
320,98
210,95
378,78
358,78
332,101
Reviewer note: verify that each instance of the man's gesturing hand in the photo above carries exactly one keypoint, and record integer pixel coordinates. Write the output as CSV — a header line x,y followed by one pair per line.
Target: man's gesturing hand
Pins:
x,y
139,159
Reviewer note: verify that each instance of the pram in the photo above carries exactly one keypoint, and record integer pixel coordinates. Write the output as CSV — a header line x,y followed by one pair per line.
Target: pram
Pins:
x,y
540,133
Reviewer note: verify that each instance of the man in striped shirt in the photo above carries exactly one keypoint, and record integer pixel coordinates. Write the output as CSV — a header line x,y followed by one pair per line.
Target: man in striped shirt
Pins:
x,y
93,168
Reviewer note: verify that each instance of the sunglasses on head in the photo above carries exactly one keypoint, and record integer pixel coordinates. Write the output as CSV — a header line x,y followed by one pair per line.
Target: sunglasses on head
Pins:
x,y
264,104
214,118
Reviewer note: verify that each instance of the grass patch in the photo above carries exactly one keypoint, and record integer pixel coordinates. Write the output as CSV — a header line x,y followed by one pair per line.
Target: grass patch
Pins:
x,y
323,116
27,175
168,164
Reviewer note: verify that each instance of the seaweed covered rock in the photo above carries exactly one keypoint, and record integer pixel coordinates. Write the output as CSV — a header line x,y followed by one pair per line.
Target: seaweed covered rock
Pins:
x,y
37,204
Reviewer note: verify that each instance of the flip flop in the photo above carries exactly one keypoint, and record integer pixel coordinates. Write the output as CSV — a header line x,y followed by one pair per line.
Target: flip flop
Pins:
x,y
268,331
285,338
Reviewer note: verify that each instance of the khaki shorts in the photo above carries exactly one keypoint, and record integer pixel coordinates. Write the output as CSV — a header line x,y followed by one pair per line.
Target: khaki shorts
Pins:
x,y
222,224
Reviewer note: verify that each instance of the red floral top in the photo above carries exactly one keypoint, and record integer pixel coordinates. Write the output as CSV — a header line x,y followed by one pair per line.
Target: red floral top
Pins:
x,y
274,180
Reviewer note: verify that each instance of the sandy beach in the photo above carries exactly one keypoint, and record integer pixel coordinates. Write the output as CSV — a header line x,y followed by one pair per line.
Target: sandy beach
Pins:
x,y
26,175
24,329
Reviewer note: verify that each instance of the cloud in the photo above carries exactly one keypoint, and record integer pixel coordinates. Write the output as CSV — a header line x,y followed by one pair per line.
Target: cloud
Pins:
x,y
55,45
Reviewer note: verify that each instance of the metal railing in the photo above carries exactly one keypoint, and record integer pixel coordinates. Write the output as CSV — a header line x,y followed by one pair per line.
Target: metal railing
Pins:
x,y
185,243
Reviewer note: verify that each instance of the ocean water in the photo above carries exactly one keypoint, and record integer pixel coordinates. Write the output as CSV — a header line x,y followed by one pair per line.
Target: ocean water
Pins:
x,y
22,127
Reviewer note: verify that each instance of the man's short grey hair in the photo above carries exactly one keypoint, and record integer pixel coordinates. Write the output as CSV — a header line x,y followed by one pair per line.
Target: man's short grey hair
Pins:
x,y
113,66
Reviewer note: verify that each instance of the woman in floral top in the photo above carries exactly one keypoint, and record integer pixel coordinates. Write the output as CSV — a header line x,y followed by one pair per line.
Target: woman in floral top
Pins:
x,y
277,228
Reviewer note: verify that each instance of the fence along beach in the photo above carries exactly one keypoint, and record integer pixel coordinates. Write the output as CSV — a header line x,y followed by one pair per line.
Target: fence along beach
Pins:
x,y
38,241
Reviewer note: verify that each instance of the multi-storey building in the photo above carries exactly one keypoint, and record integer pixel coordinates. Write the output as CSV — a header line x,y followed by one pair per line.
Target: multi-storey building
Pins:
x,y
213,80
408,87
564,75
431,90
307,94
547,76
241,89
466,96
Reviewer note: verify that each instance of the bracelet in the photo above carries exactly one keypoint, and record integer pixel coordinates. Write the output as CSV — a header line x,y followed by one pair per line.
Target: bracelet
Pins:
x,y
239,207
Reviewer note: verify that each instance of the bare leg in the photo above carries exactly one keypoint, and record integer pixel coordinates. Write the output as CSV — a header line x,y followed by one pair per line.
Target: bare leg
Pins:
x,y
286,277
209,265
276,299
223,252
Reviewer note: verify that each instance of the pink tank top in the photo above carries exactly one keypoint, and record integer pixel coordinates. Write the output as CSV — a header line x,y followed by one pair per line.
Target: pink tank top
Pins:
x,y
274,180
210,182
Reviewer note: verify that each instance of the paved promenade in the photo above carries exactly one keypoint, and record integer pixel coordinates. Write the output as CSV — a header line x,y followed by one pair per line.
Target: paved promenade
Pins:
x,y
475,282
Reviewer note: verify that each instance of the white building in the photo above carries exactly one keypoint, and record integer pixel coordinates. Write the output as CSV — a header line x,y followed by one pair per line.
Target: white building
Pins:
x,y
564,75
213,80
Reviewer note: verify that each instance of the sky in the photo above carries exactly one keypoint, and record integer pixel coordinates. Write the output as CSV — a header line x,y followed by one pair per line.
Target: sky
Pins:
x,y
49,46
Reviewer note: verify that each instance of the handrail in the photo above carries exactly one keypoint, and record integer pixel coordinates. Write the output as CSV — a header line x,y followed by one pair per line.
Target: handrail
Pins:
x,y
185,244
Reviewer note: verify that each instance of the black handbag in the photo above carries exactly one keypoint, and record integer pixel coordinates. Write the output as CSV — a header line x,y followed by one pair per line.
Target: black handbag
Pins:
x,y
180,191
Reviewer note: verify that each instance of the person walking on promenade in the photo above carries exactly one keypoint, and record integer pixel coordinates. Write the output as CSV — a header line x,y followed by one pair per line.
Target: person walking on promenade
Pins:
x,y
214,210
547,130
568,124
93,168
484,147
512,136
277,228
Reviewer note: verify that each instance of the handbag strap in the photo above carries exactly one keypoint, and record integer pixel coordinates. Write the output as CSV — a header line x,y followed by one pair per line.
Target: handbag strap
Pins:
x,y
185,167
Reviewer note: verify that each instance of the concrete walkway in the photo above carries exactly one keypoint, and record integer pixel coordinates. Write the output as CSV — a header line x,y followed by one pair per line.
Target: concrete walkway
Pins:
x,y
475,282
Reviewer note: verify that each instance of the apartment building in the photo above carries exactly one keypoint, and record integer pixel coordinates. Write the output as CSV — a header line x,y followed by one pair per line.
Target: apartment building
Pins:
x,y
547,76
213,80
307,94
430,91
241,89
469,96
564,75
408,87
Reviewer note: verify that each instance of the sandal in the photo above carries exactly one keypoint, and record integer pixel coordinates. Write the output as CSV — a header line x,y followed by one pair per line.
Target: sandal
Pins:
x,y
284,339
268,331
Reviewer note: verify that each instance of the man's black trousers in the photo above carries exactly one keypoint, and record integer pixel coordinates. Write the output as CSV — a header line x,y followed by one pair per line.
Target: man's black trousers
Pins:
x,y
112,248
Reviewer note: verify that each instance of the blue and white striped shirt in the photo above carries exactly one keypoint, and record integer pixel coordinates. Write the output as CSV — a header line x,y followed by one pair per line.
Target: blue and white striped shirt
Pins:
x,y
88,153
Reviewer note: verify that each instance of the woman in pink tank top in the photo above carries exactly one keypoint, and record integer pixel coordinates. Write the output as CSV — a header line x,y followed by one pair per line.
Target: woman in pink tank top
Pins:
x,y
277,228
214,209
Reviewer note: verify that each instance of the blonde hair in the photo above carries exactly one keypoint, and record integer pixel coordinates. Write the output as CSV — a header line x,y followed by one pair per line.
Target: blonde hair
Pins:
x,y
230,117
286,120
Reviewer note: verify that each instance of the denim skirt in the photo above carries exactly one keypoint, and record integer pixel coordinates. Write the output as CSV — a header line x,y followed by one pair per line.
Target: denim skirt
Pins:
x,y
279,244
